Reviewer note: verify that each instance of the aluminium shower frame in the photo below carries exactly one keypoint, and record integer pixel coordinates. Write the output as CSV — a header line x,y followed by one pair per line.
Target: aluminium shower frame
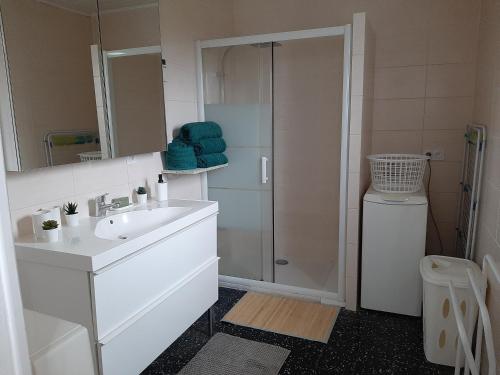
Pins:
x,y
345,32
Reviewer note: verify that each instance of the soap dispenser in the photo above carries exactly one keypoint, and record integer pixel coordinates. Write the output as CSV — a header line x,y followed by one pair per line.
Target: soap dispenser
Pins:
x,y
161,189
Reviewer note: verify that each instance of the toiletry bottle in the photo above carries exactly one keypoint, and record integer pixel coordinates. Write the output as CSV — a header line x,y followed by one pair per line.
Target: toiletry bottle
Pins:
x,y
161,189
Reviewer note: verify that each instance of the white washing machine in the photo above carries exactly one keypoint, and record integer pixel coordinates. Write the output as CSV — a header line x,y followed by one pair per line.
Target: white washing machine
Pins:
x,y
394,230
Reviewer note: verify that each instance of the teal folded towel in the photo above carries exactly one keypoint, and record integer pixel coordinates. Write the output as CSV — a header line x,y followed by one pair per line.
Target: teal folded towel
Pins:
x,y
209,146
177,149
211,160
180,156
180,165
195,131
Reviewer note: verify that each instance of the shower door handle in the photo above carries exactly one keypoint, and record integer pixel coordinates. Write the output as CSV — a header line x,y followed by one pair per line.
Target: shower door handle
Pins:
x,y
263,170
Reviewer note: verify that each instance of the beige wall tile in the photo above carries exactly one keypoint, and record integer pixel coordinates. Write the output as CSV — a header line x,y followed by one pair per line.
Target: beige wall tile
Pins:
x,y
486,244
367,121
453,12
357,78
448,113
40,185
401,49
359,34
450,80
356,114
406,82
445,206
488,211
452,43
448,238
351,293
492,160
369,77
353,192
366,149
445,176
180,83
394,16
185,187
396,142
179,113
398,114
494,119
353,226
354,152
99,175
493,302
352,260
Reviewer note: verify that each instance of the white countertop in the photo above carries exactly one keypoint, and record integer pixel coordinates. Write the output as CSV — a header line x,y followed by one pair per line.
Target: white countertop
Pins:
x,y
79,248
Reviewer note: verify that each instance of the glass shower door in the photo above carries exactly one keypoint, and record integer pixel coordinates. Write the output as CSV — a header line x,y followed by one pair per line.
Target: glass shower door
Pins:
x,y
237,82
308,89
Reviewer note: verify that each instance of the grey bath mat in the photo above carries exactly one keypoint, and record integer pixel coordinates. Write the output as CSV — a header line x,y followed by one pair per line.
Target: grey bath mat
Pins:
x,y
230,355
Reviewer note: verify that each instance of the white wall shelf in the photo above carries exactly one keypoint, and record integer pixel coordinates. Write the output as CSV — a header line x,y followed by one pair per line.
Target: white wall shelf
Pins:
x,y
194,171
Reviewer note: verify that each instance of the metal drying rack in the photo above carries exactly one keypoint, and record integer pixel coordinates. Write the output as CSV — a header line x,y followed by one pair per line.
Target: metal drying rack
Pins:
x,y
470,183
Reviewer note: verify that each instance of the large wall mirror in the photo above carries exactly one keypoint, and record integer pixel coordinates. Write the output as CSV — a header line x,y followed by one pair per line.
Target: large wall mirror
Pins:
x,y
81,80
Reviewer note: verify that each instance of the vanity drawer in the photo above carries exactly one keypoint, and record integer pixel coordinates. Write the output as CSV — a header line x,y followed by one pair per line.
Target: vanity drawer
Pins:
x,y
132,350
126,289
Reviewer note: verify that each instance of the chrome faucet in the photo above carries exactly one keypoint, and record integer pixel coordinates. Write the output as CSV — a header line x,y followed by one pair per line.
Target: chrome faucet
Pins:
x,y
101,207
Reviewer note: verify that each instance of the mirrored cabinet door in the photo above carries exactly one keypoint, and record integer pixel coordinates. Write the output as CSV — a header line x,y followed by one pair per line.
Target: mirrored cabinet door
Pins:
x,y
132,71
48,48
81,81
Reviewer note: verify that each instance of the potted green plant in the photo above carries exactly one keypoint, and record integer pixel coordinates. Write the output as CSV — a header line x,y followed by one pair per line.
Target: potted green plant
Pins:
x,y
142,195
71,214
50,230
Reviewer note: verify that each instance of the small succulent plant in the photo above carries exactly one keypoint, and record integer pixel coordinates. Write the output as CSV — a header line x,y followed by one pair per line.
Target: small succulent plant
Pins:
x,y
50,224
141,190
70,208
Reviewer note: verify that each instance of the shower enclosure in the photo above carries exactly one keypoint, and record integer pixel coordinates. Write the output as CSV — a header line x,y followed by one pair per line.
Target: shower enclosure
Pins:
x,y
282,101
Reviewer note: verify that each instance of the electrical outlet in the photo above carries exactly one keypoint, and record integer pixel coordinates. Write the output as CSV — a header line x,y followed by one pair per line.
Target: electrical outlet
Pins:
x,y
437,153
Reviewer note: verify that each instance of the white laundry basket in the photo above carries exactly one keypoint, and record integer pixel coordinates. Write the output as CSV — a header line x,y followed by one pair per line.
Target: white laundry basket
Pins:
x,y
440,329
397,173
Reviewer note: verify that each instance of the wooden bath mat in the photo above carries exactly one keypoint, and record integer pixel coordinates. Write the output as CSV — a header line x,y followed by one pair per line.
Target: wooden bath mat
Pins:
x,y
287,316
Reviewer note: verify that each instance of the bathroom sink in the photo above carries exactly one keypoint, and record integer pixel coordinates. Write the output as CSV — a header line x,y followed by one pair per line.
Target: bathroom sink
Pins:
x,y
134,223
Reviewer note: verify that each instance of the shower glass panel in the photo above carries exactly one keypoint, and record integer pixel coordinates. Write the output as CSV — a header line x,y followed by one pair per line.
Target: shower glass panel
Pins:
x,y
237,83
308,91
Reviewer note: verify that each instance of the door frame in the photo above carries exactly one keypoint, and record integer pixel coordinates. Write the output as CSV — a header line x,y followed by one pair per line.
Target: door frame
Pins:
x,y
10,144
346,32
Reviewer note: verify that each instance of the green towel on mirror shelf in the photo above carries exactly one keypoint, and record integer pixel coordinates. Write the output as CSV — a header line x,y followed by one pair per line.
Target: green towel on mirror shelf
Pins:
x,y
209,146
65,140
195,131
211,160
180,156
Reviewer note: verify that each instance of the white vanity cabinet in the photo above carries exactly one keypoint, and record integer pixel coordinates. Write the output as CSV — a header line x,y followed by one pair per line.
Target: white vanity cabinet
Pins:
x,y
135,306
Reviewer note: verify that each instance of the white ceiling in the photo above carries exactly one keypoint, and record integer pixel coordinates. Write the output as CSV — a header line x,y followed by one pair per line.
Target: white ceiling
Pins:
x,y
88,7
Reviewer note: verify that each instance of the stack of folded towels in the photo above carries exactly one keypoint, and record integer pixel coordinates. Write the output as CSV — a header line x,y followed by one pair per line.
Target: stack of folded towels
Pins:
x,y
199,144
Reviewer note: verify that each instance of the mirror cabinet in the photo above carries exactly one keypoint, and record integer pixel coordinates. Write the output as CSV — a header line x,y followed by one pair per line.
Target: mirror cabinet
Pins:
x,y
80,81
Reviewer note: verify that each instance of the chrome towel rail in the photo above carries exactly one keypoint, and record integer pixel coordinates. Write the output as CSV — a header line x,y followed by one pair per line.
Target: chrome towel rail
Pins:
x,y
472,170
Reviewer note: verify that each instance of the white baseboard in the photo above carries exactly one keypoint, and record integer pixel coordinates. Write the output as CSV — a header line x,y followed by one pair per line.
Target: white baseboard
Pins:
x,y
327,298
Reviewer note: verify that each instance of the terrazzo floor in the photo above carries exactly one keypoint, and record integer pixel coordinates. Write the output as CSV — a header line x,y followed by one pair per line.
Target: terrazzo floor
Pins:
x,y
362,342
